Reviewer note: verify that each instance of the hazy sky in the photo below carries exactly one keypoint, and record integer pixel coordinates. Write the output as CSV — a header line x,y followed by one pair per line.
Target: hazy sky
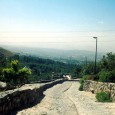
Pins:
x,y
62,24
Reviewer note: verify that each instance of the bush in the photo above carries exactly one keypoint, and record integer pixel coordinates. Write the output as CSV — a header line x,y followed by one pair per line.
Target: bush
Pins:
x,y
81,84
81,87
14,75
104,76
103,97
107,76
112,76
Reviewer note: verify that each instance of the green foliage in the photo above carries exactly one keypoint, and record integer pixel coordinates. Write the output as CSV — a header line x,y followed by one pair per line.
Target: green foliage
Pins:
x,y
43,68
89,69
105,69
14,65
23,74
1,69
81,83
2,78
78,70
103,97
85,77
8,74
112,76
107,76
2,60
14,74
108,62
104,76
81,87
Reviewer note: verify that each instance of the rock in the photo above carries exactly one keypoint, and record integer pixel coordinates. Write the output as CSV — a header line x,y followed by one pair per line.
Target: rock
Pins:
x,y
3,85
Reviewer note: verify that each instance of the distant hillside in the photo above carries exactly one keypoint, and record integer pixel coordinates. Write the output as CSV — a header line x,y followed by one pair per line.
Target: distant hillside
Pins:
x,y
66,56
4,52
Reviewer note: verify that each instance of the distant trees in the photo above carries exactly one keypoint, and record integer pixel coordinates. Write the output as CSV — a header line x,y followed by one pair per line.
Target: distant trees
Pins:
x,y
43,68
89,69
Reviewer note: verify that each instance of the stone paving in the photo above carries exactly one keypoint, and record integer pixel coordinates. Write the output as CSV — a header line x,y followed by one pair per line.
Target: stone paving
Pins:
x,y
66,99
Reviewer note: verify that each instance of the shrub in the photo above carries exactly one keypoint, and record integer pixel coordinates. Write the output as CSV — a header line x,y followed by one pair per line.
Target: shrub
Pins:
x,y
107,76
104,76
103,97
8,74
81,87
81,81
23,74
14,75
112,76
81,84
85,77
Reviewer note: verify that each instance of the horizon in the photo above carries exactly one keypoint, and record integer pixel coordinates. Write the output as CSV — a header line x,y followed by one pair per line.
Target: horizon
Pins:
x,y
59,24
20,47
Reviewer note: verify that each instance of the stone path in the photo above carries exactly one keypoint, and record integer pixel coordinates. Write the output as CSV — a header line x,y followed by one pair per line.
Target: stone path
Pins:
x,y
65,99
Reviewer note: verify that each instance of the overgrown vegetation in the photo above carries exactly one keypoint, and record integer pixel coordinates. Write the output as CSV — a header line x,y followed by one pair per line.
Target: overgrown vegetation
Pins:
x,y
41,69
103,97
105,69
105,72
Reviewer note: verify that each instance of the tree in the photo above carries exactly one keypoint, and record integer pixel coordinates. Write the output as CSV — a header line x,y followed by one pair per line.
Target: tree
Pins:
x,y
14,65
107,64
89,69
8,74
23,74
16,75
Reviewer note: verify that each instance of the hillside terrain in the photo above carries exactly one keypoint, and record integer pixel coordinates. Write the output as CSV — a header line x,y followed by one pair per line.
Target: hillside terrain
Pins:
x,y
66,56
5,52
41,68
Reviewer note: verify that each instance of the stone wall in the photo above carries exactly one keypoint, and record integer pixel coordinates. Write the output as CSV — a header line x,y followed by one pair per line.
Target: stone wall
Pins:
x,y
24,96
94,86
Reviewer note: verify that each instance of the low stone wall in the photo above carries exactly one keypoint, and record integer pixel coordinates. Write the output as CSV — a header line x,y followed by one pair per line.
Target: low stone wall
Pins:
x,y
23,96
94,86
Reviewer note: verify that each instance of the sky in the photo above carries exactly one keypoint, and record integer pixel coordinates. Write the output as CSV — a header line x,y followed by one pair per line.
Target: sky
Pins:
x,y
59,24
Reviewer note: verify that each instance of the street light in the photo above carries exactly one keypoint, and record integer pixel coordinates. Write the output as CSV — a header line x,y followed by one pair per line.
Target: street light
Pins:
x,y
95,69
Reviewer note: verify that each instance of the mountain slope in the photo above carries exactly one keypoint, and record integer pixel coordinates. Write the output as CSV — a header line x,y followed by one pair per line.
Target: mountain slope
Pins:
x,y
4,52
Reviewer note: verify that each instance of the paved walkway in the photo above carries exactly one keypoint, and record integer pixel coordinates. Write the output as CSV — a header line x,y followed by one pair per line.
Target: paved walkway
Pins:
x,y
66,99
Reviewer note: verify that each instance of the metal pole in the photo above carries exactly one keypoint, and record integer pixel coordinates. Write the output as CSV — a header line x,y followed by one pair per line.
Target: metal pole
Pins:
x,y
86,61
95,69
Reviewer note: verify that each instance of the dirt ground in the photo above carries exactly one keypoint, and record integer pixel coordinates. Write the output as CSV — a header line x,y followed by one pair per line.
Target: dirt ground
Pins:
x,y
66,99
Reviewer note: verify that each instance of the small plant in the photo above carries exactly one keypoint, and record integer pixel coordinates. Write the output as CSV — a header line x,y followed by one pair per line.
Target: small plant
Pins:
x,y
104,76
81,85
103,97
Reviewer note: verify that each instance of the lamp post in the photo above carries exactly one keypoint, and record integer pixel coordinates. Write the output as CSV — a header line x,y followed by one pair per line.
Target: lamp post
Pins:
x,y
95,69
